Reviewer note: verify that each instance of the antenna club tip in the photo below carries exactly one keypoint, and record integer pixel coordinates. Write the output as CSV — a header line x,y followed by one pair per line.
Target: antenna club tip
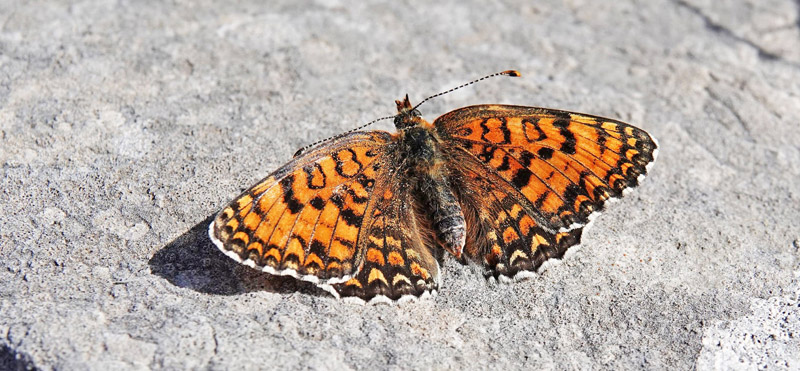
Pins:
x,y
512,73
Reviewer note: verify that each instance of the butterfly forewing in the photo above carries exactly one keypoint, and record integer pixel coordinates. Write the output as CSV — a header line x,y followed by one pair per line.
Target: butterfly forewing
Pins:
x,y
565,164
304,219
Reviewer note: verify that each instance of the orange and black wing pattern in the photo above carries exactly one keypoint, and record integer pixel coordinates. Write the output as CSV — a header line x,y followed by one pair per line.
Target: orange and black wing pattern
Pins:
x,y
304,220
548,173
507,234
565,164
398,263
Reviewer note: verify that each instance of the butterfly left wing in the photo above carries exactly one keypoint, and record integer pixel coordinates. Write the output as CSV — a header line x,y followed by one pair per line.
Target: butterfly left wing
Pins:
x,y
565,165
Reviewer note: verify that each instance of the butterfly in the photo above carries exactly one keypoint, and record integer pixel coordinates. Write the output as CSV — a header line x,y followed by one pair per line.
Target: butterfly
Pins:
x,y
368,215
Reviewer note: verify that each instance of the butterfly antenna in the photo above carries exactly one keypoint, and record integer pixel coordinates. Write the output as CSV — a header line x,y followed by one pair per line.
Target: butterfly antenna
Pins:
x,y
512,73
301,150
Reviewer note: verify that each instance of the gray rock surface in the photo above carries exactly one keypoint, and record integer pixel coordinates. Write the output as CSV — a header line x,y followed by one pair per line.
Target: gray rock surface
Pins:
x,y
124,126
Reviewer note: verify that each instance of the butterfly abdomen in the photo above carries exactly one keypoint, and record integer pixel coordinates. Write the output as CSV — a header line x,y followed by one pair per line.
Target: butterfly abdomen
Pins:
x,y
444,211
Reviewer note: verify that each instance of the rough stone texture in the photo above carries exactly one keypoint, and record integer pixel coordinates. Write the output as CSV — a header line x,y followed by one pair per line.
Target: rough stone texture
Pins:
x,y
125,125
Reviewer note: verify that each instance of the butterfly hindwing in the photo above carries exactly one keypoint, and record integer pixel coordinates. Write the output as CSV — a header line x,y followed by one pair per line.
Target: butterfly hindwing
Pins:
x,y
397,263
305,218
505,232
565,164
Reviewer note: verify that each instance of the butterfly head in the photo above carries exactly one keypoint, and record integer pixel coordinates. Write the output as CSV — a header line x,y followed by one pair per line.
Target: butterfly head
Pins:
x,y
407,115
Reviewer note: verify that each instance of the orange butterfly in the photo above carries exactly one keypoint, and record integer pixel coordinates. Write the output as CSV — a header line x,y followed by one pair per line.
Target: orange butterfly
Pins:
x,y
362,215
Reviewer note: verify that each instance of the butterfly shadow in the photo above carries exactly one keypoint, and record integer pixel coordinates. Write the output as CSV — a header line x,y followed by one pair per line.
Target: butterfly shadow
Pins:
x,y
192,261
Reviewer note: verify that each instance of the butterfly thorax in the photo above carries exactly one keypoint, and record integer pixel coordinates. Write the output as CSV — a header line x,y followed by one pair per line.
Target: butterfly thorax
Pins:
x,y
417,138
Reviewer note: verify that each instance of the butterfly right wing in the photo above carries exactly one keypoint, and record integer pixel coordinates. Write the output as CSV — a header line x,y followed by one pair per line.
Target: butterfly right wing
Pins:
x,y
541,175
304,220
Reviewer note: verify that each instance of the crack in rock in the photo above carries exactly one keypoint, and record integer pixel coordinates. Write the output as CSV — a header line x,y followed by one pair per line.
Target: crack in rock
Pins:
x,y
725,31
